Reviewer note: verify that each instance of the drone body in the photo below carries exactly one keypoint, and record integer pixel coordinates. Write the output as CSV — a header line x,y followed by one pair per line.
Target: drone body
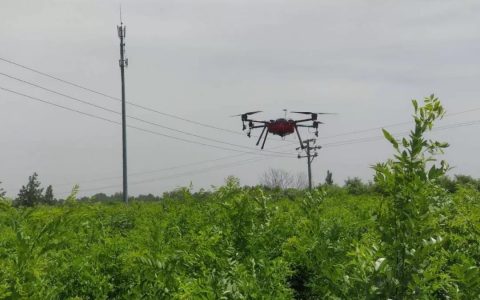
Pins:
x,y
281,127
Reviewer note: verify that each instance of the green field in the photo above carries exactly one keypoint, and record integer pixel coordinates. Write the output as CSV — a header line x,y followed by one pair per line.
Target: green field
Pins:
x,y
234,243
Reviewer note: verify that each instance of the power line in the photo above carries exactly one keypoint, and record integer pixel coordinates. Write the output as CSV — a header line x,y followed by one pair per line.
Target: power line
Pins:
x,y
400,134
393,125
338,144
116,98
192,121
208,169
155,171
134,127
169,168
132,117
328,145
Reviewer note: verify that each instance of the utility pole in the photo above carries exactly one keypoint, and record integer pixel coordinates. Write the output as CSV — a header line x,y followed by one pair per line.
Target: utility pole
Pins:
x,y
123,62
308,146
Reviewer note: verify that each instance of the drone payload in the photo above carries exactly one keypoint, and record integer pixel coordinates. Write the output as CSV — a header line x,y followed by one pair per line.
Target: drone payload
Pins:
x,y
281,127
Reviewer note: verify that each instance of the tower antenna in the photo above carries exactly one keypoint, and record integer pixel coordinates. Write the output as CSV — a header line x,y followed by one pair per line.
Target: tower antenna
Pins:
x,y
123,62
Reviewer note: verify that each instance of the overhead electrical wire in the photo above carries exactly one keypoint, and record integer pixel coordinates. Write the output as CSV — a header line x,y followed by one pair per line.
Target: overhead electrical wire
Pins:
x,y
327,145
393,125
168,168
173,176
188,120
334,144
118,99
400,134
132,117
155,171
337,144
257,152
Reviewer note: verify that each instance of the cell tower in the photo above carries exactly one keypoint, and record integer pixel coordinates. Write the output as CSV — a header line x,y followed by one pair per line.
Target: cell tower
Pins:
x,y
123,62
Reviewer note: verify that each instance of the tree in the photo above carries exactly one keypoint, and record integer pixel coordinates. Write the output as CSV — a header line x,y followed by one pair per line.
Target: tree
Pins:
x,y
467,180
301,181
31,194
49,198
329,178
281,179
355,186
2,192
413,198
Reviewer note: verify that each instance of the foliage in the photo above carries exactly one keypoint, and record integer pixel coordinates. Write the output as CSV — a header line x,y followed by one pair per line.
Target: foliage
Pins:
x,y
355,186
235,243
30,194
2,192
281,179
329,178
409,222
48,198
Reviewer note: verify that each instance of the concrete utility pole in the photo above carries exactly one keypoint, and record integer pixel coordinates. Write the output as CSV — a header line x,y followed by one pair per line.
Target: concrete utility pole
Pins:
x,y
123,63
308,147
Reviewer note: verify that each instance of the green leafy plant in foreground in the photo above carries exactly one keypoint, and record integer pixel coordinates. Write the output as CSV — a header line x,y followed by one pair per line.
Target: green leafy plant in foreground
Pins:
x,y
407,224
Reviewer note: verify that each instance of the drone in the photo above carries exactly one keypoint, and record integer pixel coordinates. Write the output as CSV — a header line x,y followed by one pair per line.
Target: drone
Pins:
x,y
281,127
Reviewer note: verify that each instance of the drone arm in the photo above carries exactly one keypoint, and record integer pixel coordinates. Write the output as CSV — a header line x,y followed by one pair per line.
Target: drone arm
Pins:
x,y
255,121
257,126
314,126
261,134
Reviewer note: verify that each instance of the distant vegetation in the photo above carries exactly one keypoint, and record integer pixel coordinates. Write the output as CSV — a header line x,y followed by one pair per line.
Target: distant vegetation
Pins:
x,y
412,233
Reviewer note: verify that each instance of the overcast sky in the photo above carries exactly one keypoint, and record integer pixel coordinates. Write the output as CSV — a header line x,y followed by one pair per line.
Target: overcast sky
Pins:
x,y
206,60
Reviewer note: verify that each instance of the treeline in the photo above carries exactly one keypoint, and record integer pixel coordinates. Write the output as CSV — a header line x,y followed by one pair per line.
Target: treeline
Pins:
x,y
32,194
278,181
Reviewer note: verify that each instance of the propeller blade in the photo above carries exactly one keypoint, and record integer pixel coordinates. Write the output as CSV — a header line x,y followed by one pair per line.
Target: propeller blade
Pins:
x,y
247,113
311,113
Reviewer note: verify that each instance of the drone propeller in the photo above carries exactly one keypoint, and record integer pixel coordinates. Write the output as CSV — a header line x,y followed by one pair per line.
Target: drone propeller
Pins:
x,y
311,113
247,113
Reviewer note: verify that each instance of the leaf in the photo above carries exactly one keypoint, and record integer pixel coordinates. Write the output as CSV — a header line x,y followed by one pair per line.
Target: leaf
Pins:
x,y
415,104
379,263
390,138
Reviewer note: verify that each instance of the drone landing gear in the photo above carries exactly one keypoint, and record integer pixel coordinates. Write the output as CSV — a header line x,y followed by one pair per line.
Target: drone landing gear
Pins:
x,y
299,137
261,134
265,139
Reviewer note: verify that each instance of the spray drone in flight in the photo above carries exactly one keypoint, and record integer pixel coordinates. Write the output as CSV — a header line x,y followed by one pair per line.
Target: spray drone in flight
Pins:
x,y
281,126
